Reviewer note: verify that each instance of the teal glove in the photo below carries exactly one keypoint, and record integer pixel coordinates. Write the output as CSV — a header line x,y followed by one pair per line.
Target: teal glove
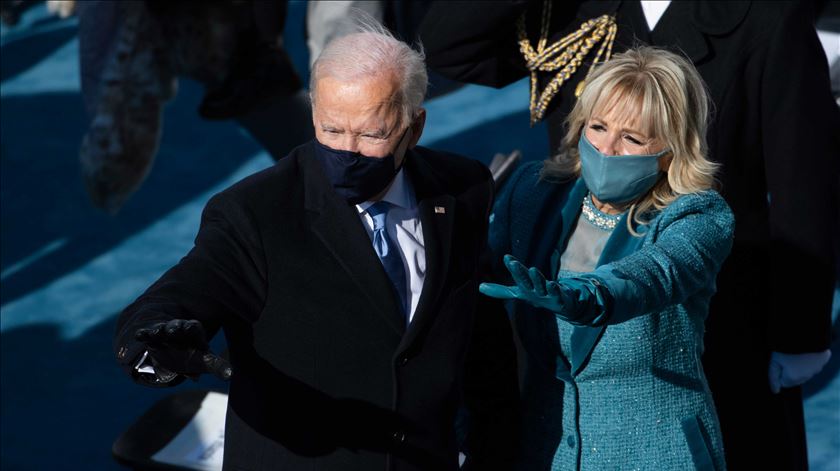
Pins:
x,y
579,301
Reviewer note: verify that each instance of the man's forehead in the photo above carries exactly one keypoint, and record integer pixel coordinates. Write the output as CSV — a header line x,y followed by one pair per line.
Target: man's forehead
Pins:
x,y
370,89
361,105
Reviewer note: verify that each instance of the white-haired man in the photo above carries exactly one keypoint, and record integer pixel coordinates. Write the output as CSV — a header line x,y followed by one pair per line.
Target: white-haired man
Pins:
x,y
345,280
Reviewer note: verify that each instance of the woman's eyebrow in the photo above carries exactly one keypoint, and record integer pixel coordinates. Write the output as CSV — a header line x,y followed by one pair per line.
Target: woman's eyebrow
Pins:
x,y
634,131
623,129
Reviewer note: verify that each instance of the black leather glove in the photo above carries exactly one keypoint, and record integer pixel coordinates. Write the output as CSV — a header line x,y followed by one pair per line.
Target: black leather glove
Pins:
x,y
179,347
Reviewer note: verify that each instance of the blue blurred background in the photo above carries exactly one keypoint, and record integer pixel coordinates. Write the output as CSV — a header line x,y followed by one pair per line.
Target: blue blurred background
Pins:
x,y
69,268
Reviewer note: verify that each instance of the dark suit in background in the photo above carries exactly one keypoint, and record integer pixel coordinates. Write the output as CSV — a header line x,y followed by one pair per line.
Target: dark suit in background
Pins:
x,y
774,130
326,375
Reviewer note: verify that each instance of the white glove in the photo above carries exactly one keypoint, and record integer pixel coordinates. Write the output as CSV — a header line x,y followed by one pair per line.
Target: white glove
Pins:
x,y
792,369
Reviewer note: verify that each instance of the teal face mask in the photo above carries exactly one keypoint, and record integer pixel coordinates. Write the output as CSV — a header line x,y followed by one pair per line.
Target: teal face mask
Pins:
x,y
617,178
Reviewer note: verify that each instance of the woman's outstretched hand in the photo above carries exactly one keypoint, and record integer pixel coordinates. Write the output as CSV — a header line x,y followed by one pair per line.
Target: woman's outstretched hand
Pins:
x,y
531,286
573,299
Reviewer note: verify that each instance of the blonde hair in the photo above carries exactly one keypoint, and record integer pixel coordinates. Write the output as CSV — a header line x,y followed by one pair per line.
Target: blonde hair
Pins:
x,y
674,110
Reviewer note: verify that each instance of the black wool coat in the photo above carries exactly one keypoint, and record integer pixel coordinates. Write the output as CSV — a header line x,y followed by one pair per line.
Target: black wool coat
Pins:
x,y
326,375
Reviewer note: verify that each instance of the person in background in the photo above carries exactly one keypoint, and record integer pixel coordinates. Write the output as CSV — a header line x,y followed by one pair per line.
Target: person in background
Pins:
x,y
624,236
327,20
774,133
261,69
345,279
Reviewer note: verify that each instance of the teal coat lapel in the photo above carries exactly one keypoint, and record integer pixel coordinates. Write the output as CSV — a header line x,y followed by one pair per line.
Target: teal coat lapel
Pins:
x,y
552,225
620,244
560,224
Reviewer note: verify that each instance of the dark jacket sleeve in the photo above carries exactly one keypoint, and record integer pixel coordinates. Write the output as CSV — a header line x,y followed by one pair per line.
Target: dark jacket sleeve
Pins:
x,y
491,392
474,42
220,279
801,147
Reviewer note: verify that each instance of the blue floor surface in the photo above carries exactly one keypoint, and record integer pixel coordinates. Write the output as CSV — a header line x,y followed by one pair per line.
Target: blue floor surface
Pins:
x,y
68,268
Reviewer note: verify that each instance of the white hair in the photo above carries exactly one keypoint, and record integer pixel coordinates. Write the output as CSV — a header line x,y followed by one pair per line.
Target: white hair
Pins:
x,y
373,51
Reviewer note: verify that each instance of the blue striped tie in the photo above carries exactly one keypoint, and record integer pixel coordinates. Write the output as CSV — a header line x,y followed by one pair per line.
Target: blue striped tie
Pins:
x,y
388,251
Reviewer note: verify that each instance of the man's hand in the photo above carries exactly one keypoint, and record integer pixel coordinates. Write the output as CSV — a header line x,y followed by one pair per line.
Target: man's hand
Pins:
x,y
180,347
575,300
792,369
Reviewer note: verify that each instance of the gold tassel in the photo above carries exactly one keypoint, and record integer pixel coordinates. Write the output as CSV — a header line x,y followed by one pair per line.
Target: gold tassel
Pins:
x,y
567,54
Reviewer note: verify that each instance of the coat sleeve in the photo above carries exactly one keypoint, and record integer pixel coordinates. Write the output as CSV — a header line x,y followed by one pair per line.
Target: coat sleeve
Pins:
x,y
694,237
221,278
800,129
474,42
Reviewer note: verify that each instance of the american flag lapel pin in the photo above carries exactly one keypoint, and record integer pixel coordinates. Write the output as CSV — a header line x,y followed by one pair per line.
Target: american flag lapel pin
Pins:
x,y
440,210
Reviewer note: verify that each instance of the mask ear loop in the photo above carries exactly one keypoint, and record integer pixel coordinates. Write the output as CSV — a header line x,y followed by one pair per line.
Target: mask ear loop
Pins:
x,y
668,155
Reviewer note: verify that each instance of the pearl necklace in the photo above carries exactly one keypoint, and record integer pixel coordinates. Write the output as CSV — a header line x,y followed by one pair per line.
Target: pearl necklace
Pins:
x,y
598,218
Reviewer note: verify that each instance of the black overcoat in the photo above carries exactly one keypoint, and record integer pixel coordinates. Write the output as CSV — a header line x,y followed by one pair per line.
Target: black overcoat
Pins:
x,y
776,131
325,373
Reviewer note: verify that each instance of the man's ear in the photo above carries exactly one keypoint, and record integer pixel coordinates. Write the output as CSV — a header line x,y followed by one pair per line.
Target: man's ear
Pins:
x,y
417,127
312,109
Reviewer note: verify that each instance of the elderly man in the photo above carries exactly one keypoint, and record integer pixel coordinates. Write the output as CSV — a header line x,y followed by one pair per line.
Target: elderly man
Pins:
x,y
345,281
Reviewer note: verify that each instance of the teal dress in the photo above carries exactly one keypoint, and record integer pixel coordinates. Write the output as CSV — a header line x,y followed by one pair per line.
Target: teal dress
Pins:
x,y
630,394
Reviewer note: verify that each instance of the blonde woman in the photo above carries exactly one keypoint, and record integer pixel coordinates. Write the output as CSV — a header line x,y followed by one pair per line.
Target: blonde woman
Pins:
x,y
624,235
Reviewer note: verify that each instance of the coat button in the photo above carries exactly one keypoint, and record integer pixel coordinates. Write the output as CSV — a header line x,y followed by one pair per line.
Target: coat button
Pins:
x,y
398,437
402,361
570,440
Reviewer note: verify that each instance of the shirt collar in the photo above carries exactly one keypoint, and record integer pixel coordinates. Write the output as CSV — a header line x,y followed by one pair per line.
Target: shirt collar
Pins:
x,y
401,194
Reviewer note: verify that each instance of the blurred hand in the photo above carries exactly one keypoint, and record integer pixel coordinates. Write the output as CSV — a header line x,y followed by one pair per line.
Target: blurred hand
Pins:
x,y
792,369
180,346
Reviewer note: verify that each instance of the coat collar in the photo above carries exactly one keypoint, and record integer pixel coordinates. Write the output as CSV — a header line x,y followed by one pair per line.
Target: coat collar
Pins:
x,y
620,244
558,226
336,223
678,31
437,210
555,234
684,25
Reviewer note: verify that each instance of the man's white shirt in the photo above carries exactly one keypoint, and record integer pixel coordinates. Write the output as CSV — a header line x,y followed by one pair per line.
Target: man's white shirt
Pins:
x,y
404,228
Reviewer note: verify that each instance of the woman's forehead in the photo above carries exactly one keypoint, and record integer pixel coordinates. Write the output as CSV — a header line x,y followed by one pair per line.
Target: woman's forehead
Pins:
x,y
622,109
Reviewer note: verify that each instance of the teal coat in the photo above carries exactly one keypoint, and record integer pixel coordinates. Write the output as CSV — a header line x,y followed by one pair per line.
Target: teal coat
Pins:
x,y
631,394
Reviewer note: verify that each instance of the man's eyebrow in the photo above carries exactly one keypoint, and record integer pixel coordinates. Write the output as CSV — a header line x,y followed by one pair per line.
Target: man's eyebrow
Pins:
x,y
378,132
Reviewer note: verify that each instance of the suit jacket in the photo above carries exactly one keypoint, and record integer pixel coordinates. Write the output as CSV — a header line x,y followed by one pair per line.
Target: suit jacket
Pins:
x,y
773,129
326,375
632,392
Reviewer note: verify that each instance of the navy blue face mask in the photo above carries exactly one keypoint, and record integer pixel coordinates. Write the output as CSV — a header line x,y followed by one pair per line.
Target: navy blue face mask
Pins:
x,y
617,178
354,176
